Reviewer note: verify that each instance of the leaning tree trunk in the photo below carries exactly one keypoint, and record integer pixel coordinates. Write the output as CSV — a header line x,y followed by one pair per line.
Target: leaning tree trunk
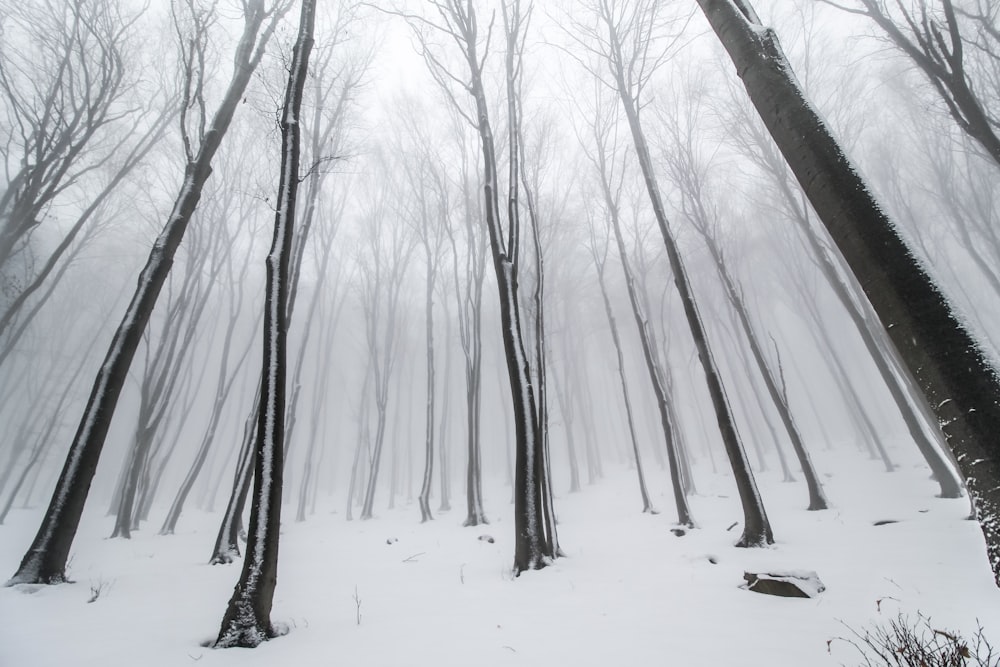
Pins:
x,y
817,499
45,561
960,384
948,481
756,527
223,388
227,542
684,517
247,621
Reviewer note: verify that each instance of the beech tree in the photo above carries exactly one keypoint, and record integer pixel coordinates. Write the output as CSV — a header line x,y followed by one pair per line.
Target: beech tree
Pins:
x,y
468,281
627,41
688,172
458,22
45,560
599,252
751,138
960,384
247,621
610,175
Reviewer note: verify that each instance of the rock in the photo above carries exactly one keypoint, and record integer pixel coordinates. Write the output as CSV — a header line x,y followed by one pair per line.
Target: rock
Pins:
x,y
885,522
486,538
679,532
391,540
787,583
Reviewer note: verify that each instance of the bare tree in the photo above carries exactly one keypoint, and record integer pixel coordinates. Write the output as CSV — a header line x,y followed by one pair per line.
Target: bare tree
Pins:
x,y
688,172
751,137
69,112
935,34
610,177
388,250
961,386
458,22
628,42
247,621
228,372
45,560
600,252
469,297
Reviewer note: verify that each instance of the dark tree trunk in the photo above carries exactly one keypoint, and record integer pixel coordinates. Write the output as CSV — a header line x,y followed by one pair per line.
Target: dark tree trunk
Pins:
x,y
45,560
912,405
227,542
960,384
247,621
223,389
756,527
684,517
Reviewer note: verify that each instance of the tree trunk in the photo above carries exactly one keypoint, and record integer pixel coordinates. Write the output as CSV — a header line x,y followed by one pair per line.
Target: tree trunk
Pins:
x,y
647,505
247,621
756,527
817,499
227,542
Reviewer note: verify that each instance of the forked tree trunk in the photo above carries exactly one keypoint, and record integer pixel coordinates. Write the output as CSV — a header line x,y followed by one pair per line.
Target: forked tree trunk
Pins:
x,y
247,621
227,542
960,384
45,560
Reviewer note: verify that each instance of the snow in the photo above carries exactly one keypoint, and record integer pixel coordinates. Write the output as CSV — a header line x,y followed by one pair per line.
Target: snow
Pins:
x,y
629,592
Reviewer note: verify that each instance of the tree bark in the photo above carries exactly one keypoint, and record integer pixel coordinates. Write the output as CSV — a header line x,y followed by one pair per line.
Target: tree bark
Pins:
x,y
247,621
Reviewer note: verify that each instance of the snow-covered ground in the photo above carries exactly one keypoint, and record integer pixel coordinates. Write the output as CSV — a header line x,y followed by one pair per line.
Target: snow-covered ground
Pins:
x,y
628,593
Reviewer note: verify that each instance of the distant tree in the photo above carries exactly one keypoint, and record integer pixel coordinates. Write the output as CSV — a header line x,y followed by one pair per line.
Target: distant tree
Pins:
x,y
229,370
961,386
688,172
752,139
75,127
629,42
610,182
599,252
427,214
458,22
247,621
388,249
468,282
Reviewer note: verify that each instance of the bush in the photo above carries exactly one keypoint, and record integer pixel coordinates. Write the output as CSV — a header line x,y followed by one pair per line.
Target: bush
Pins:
x,y
907,643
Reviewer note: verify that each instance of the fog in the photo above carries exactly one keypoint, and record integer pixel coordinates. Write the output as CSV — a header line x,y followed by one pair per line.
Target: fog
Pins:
x,y
391,197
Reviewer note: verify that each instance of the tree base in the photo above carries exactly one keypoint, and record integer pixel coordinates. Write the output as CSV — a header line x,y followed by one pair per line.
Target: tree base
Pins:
x,y
240,636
